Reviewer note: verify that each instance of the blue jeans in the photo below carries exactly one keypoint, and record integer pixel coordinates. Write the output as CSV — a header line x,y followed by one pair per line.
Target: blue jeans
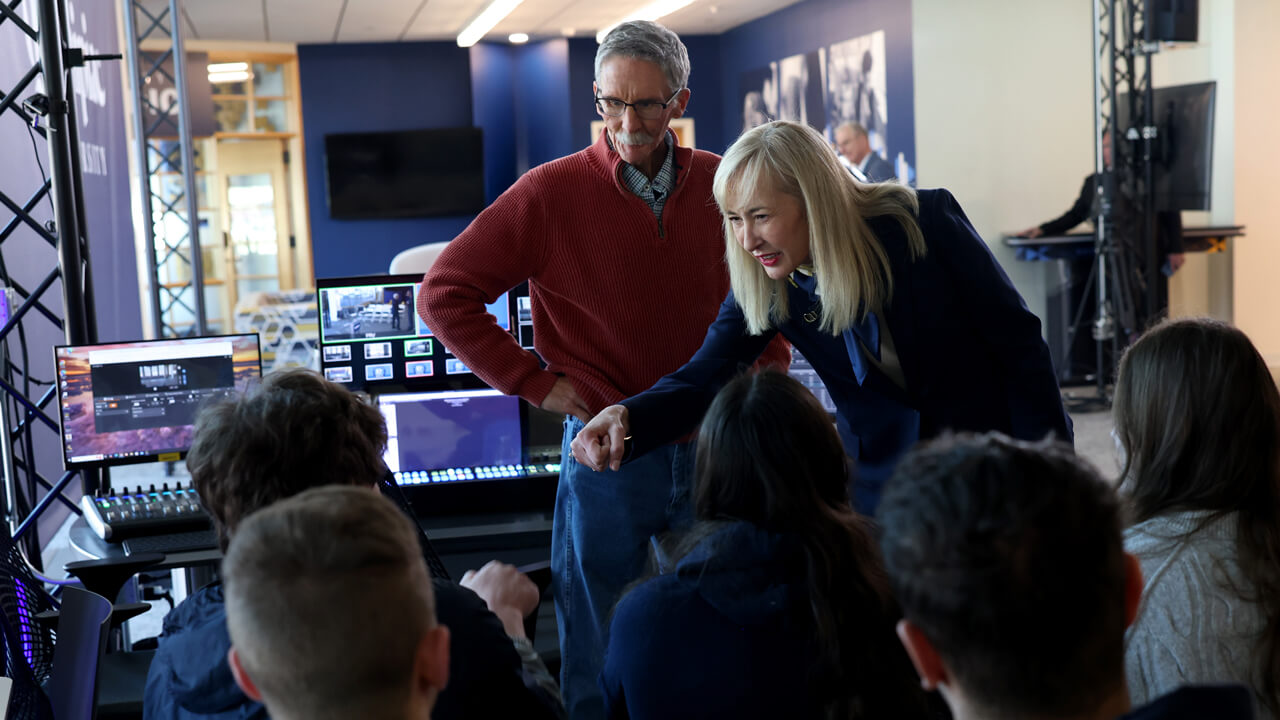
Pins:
x,y
599,544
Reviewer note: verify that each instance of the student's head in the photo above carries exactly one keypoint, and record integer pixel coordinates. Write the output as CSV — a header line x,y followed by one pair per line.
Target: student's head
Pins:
x,y
642,63
852,142
1197,415
1015,588
293,431
788,202
330,609
768,453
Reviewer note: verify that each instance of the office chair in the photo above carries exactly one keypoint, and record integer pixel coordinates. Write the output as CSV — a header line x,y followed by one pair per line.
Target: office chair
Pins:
x,y
83,625
28,644
417,259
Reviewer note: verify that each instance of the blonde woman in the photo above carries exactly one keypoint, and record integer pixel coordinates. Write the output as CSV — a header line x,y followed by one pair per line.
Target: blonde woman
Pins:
x,y
889,293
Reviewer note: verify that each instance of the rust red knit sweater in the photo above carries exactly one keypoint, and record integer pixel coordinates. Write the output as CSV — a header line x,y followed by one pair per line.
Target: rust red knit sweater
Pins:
x,y
618,301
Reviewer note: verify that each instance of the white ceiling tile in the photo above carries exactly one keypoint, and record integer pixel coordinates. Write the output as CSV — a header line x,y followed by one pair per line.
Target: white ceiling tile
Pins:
x,y
303,21
227,19
381,21
442,19
314,21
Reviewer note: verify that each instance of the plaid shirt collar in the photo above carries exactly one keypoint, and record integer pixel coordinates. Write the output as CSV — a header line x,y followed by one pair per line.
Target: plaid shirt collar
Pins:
x,y
655,192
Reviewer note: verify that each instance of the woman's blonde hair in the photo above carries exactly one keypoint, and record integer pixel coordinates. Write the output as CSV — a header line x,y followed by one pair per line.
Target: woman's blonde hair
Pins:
x,y
850,264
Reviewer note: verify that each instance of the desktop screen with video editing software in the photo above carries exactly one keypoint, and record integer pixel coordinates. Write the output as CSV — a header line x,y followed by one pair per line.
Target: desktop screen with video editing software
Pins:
x,y
454,436
136,402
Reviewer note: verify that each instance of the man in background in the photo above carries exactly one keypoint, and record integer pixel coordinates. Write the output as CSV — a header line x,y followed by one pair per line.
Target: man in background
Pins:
x,y
1126,229
330,610
1007,560
855,146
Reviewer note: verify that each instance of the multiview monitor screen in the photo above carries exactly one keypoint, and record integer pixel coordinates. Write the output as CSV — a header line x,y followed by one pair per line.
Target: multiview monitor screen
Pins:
x,y
372,338
134,402
453,436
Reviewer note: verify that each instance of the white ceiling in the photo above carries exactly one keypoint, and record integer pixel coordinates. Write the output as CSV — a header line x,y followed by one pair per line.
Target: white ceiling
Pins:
x,y
326,21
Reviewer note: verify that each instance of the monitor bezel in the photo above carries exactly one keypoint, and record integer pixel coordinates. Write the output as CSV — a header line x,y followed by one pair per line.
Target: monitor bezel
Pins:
x,y
70,465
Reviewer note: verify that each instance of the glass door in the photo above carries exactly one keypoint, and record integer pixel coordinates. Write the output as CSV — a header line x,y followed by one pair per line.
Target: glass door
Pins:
x,y
255,208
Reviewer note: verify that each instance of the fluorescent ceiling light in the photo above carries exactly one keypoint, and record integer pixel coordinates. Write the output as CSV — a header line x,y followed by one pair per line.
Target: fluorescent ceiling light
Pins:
x,y
484,22
228,67
228,77
518,38
652,11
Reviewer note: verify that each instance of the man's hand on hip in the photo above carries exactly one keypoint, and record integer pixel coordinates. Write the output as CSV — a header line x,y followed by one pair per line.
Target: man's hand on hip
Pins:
x,y
564,399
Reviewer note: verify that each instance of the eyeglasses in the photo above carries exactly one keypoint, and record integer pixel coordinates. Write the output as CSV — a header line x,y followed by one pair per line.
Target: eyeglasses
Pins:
x,y
645,109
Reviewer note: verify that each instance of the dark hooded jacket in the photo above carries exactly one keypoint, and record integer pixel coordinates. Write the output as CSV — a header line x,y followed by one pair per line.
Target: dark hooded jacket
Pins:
x,y
190,679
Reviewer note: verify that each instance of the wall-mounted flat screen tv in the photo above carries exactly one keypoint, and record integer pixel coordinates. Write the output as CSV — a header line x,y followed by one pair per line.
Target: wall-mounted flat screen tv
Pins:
x,y
406,173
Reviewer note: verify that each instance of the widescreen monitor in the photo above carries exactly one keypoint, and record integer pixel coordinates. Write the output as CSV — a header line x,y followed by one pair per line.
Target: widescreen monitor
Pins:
x,y
371,337
407,173
453,436
468,452
136,402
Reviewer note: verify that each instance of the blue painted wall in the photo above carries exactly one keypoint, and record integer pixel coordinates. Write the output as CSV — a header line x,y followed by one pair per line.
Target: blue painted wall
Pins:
x,y
492,90
582,72
371,88
705,104
542,96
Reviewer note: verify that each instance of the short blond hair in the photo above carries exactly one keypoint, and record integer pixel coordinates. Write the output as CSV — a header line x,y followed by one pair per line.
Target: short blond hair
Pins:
x,y
849,261
327,601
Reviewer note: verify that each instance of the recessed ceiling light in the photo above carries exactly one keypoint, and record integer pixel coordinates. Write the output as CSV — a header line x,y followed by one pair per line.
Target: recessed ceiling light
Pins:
x,y
518,38
569,32
714,9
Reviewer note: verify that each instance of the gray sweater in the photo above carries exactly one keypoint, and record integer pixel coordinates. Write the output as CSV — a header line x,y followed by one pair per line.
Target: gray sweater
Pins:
x,y
1193,625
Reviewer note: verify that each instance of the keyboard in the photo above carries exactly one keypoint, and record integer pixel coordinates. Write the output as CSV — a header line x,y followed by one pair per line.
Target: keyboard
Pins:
x,y
122,514
172,542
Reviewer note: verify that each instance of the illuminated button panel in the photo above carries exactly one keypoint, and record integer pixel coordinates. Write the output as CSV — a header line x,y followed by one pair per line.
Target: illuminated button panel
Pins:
x,y
464,474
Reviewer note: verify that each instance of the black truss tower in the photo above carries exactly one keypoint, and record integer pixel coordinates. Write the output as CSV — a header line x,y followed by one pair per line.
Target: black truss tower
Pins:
x,y
1123,47
23,412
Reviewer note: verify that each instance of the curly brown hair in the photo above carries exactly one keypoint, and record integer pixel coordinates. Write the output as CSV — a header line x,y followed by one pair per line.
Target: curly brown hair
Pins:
x,y
292,432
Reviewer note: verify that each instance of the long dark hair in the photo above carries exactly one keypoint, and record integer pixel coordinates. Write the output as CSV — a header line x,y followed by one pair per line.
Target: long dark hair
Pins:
x,y
1198,415
768,454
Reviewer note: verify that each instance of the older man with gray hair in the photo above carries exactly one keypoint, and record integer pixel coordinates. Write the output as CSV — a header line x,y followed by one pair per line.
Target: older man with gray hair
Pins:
x,y
621,246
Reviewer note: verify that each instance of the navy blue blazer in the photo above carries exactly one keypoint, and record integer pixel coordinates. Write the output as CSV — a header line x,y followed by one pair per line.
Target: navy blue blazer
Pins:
x,y
879,169
971,354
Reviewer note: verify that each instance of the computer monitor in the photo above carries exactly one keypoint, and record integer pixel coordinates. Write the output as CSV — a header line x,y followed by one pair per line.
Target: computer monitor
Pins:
x,y
372,339
136,402
466,451
1182,152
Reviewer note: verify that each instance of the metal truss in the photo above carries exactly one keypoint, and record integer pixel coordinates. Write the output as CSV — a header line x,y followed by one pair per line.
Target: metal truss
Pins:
x,y
53,116
1123,128
169,193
